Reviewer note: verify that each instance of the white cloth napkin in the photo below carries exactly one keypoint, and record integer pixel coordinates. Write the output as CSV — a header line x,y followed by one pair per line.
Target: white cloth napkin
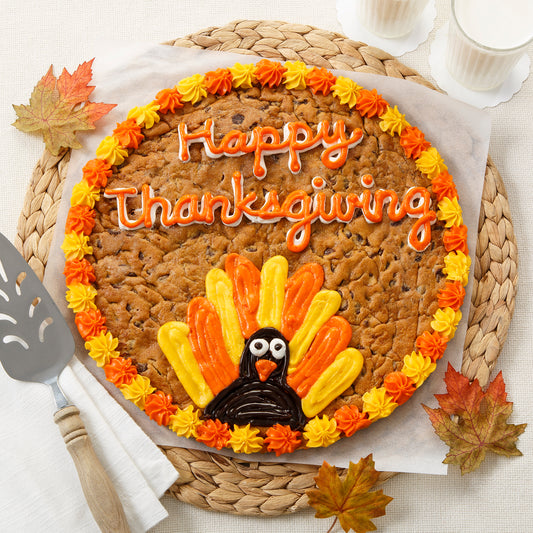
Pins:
x,y
36,466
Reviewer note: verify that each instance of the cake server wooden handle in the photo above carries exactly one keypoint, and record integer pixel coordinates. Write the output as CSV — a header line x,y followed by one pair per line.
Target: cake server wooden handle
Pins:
x,y
100,493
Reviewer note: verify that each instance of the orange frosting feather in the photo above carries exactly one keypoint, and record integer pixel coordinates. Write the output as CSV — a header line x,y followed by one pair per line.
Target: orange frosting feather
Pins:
x,y
349,419
120,371
370,103
80,219
399,386
90,323
269,73
452,295
168,100
213,433
455,239
320,80
431,345
218,81
413,142
79,271
159,407
96,172
128,133
282,439
443,186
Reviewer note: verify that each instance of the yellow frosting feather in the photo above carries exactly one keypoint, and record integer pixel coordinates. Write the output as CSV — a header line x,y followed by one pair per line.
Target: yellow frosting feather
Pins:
x,y
321,432
145,116
81,297
137,391
192,88
457,266
323,306
243,75
346,90
185,421
102,348
445,321
76,246
272,292
219,290
392,121
378,404
417,367
245,440
84,194
333,381
431,163
110,150
174,343
294,77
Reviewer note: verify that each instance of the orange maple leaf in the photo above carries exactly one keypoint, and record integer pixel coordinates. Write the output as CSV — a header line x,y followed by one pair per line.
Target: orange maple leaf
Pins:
x,y
472,422
60,107
349,500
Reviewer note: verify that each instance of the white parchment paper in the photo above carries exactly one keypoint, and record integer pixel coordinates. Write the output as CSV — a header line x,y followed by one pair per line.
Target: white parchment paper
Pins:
x,y
132,74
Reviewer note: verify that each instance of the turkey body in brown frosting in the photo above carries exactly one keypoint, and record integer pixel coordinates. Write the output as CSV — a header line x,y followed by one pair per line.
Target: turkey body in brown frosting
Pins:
x,y
260,395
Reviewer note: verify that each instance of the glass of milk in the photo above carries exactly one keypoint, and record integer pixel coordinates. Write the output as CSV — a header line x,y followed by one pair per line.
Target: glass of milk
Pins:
x,y
390,18
486,39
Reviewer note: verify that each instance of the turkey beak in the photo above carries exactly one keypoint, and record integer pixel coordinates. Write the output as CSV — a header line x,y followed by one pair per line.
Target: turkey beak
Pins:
x,y
264,368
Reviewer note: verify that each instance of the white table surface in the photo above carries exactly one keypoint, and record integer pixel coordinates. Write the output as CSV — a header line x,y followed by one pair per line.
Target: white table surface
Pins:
x,y
497,497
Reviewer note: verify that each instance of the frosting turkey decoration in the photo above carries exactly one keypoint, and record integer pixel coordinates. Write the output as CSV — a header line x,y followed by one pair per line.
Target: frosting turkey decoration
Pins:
x,y
262,348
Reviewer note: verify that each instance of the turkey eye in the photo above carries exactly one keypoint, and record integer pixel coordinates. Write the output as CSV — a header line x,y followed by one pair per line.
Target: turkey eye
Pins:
x,y
277,348
259,347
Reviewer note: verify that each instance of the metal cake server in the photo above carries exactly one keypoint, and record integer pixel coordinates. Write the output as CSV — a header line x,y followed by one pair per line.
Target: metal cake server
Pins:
x,y
35,345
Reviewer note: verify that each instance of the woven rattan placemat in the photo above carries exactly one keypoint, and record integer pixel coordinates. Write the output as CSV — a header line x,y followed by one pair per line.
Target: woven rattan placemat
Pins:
x,y
212,481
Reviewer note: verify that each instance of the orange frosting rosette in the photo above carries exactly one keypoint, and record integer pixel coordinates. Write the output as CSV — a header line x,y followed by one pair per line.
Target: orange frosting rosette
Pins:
x,y
168,100
159,407
370,103
213,433
120,371
452,295
431,345
399,386
90,323
96,172
282,439
128,133
455,239
218,81
80,219
413,142
79,271
269,73
443,186
349,419
320,80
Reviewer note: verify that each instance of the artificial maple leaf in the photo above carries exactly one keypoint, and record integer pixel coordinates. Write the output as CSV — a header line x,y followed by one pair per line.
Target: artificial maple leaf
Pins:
x,y
472,422
349,500
60,107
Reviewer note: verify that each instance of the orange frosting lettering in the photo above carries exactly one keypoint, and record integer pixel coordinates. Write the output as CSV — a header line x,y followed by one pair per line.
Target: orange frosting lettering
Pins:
x,y
349,419
96,172
80,219
432,345
282,439
452,295
399,386
79,271
207,343
159,407
120,371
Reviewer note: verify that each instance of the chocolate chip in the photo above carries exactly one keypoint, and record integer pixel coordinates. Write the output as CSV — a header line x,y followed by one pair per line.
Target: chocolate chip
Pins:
x,y
141,367
238,118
